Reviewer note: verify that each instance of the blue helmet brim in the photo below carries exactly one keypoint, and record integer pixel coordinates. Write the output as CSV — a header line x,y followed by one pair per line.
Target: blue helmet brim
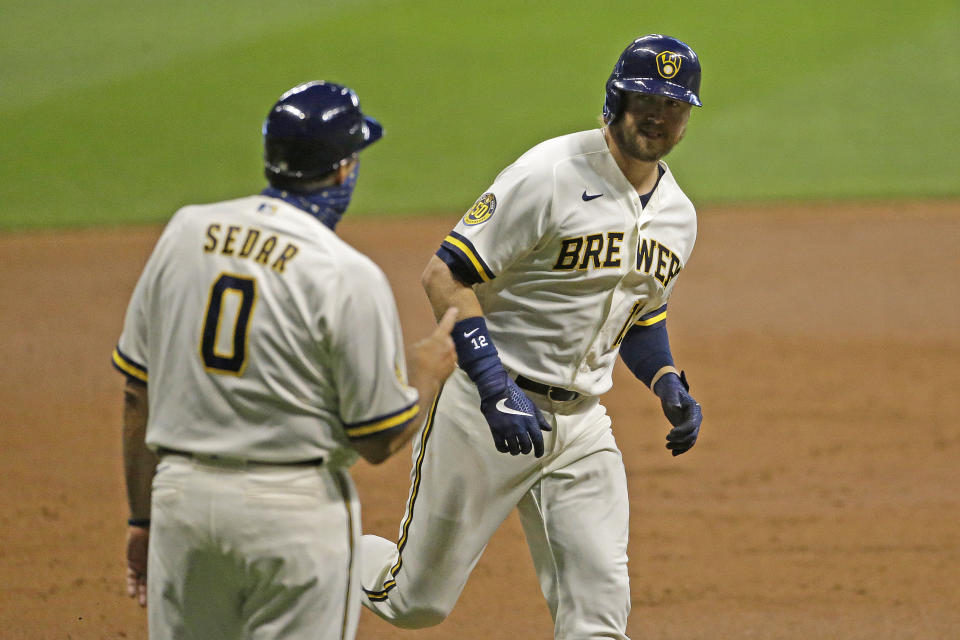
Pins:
x,y
653,86
372,131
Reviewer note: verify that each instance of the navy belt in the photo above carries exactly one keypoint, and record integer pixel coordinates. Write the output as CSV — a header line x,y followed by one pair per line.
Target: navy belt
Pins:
x,y
554,393
230,461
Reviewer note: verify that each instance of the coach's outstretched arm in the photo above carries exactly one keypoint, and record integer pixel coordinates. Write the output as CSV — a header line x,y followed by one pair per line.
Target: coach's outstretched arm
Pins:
x,y
646,352
431,361
514,421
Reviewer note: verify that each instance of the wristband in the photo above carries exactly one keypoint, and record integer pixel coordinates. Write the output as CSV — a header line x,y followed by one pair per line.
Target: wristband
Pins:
x,y
681,377
143,523
662,372
475,350
478,356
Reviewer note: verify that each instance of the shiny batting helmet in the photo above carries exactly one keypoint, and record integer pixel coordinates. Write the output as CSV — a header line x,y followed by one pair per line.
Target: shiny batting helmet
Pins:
x,y
657,65
313,129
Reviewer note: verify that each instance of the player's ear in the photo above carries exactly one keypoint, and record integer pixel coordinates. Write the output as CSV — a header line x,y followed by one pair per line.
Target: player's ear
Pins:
x,y
343,172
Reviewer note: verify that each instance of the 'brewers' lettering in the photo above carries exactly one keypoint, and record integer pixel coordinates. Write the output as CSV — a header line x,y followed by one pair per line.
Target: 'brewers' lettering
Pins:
x,y
569,254
613,249
591,253
594,251
657,260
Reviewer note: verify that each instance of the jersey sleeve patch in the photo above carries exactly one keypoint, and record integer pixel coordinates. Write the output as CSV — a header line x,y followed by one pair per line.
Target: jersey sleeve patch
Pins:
x,y
128,366
381,423
654,317
481,210
466,254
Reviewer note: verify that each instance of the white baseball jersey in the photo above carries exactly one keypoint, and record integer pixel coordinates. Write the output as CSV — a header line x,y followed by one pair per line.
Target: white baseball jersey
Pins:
x,y
264,336
567,259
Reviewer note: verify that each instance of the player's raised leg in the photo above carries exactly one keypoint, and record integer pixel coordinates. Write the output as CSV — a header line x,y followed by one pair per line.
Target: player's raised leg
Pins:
x,y
462,489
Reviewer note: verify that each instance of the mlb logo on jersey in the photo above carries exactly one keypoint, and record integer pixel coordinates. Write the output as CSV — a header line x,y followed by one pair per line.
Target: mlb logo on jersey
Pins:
x,y
668,64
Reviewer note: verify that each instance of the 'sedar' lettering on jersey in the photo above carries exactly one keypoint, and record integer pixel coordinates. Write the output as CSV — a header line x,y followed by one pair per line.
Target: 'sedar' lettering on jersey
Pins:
x,y
228,242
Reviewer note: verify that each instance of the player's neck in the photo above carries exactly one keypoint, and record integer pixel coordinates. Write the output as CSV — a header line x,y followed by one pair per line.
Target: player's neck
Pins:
x,y
641,174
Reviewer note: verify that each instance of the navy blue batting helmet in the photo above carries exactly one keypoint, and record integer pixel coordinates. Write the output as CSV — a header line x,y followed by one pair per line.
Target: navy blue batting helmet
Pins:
x,y
657,65
313,129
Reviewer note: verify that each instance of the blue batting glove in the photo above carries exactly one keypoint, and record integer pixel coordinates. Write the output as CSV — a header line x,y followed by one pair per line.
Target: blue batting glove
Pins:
x,y
515,422
681,410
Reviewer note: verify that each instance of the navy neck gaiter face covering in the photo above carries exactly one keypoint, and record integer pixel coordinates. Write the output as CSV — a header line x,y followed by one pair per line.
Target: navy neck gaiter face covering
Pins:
x,y
326,205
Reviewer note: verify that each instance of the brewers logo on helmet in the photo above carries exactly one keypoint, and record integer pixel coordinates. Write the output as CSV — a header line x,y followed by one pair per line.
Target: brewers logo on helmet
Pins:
x,y
668,64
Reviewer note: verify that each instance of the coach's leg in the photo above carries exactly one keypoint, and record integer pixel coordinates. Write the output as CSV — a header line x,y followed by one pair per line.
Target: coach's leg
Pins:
x,y
193,591
298,534
462,489
576,521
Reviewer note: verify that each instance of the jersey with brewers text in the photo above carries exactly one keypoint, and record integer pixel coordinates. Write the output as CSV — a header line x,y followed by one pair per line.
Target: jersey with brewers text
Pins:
x,y
566,259
263,335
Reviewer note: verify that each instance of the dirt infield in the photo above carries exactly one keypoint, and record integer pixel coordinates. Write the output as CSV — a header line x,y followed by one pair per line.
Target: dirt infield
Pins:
x,y
821,501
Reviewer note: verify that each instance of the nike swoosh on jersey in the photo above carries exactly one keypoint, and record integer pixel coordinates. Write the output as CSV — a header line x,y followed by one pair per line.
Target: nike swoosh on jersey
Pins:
x,y
467,334
587,198
503,408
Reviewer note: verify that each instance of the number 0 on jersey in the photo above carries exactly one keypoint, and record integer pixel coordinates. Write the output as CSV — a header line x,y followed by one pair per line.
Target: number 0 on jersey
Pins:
x,y
229,307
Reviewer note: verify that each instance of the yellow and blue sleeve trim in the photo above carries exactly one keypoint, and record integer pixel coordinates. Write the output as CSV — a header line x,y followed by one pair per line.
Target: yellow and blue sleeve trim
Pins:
x,y
652,318
381,594
464,260
645,321
128,366
381,423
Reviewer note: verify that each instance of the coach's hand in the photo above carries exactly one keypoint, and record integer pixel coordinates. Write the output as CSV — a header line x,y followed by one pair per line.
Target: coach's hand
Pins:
x,y
434,358
138,539
681,410
515,422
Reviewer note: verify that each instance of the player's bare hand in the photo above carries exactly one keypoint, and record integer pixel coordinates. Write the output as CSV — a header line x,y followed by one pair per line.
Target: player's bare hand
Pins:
x,y
137,542
435,357
681,410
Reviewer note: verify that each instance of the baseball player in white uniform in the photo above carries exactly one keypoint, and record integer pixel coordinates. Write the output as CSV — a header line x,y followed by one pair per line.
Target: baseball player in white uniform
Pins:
x,y
263,354
566,261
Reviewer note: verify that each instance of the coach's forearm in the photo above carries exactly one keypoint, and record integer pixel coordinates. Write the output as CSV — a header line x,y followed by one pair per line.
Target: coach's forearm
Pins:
x,y
431,359
445,291
139,463
377,448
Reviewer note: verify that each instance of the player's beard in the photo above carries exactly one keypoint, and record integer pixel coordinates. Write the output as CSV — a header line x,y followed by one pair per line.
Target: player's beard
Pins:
x,y
639,144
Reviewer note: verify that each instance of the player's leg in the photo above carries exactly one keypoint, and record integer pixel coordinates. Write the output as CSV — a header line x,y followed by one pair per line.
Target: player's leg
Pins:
x,y
576,521
462,489
192,590
298,535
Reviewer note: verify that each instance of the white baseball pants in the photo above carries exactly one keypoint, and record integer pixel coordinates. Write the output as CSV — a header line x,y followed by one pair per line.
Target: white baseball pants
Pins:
x,y
255,552
572,503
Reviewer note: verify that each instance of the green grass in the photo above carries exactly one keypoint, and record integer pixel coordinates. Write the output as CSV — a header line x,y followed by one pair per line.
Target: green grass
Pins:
x,y
116,112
